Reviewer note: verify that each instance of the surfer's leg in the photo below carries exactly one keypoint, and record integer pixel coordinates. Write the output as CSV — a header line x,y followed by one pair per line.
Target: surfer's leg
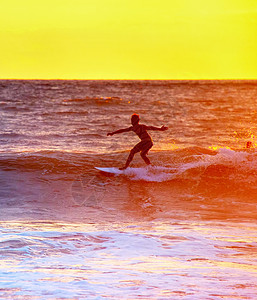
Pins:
x,y
133,151
144,152
130,157
145,158
143,147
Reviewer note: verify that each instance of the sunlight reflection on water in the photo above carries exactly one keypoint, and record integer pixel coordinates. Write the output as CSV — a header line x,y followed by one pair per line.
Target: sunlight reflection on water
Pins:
x,y
179,260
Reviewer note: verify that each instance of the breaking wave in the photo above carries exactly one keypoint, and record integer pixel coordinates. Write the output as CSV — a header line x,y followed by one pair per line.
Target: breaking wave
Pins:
x,y
219,170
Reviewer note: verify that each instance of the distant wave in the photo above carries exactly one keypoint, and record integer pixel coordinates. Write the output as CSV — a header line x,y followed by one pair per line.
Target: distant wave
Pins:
x,y
97,100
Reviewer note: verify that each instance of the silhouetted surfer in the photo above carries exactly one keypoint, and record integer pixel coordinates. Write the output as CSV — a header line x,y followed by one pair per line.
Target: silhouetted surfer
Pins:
x,y
146,141
249,145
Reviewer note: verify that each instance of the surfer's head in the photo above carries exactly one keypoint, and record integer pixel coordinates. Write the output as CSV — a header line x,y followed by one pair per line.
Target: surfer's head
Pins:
x,y
135,119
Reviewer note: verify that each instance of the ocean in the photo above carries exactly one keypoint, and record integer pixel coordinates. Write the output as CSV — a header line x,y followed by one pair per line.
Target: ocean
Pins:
x,y
182,228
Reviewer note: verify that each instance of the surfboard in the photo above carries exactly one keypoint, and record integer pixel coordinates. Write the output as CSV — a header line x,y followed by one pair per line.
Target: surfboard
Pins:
x,y
110,170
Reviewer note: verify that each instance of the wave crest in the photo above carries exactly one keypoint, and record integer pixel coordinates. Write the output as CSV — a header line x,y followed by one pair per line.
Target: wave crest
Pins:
x,y
204,169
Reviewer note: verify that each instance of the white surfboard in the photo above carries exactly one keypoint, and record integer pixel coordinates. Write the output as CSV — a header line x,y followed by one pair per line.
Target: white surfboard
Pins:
x,y
110,170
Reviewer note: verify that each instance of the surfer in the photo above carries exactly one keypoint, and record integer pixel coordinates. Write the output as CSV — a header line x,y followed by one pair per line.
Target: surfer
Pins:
x,y
249,145
146,142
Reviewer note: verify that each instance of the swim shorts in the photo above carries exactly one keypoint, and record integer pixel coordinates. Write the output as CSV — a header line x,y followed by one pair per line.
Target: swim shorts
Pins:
x,y
143,146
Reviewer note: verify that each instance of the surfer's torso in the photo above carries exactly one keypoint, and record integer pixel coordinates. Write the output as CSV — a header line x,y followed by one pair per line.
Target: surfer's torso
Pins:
x,y
141,131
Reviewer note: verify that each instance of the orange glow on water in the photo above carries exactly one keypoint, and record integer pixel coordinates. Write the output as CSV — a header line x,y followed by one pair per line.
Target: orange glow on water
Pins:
x,y
128,40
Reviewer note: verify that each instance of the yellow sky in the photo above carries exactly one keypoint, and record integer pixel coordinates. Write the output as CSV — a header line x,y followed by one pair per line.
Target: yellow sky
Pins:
x,y
128,39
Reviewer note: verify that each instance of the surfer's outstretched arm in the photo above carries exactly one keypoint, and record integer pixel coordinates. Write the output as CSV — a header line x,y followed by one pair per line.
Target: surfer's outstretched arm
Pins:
x,y
163,128
119,131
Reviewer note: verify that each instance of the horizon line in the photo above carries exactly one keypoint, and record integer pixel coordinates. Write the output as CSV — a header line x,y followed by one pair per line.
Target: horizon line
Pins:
x,y
104,79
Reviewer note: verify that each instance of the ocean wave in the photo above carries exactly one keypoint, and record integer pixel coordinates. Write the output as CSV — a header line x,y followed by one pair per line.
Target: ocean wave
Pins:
x,y
187,164
11,135
95,100
189,175
195,162
35,162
